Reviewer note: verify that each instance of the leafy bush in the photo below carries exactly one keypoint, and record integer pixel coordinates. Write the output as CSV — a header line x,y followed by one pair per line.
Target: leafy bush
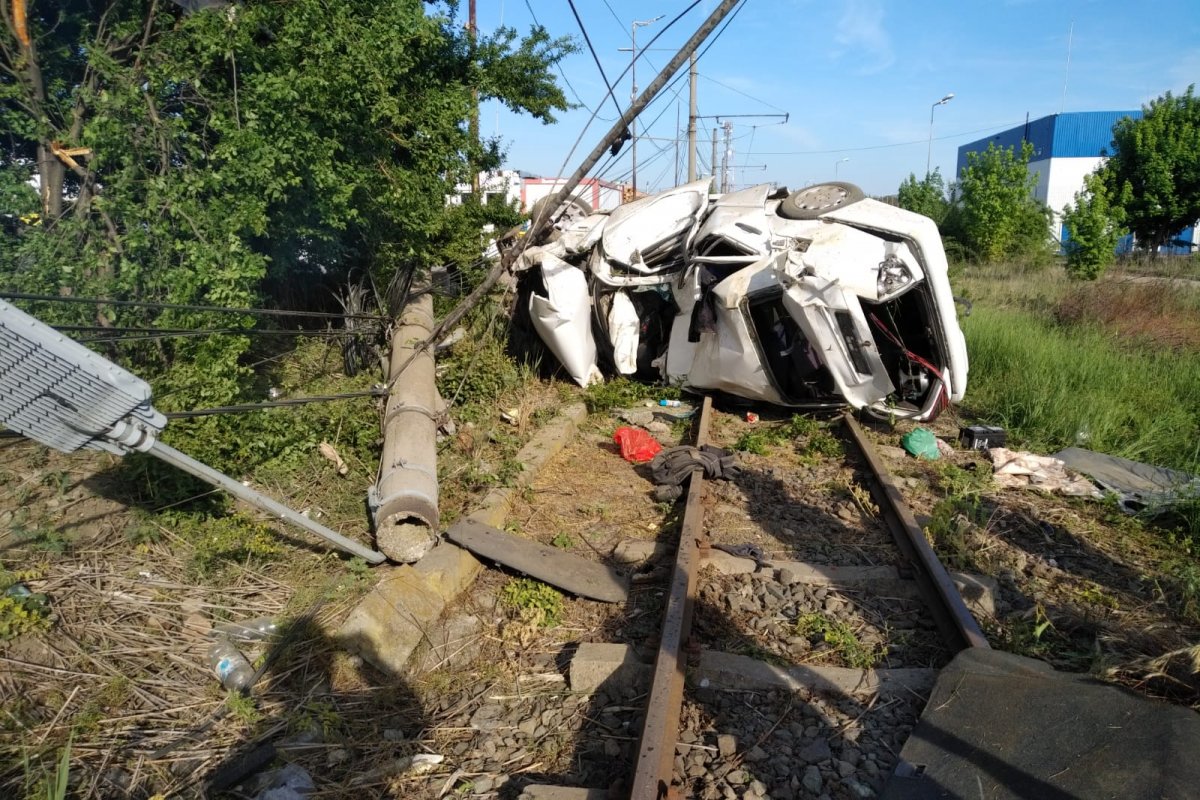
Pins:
x,y
927,196
996,216
1094,225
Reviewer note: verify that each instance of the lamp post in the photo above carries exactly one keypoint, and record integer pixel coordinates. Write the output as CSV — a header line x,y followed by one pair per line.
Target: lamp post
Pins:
x,y
837,164
929,150
633,96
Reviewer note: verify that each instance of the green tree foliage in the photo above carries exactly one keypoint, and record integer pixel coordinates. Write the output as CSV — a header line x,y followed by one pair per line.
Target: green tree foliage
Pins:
x,y
1155,166
1095,225
239,152
927,197
996,216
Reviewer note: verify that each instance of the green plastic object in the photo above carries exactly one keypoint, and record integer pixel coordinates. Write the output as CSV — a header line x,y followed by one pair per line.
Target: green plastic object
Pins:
x,y
921,443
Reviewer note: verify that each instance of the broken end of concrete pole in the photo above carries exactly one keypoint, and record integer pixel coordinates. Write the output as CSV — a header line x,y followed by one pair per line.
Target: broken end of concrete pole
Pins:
x,y
405,540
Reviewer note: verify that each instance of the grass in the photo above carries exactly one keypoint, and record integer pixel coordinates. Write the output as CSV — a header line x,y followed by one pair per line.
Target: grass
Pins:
x,y
811,438
841,639
1053,387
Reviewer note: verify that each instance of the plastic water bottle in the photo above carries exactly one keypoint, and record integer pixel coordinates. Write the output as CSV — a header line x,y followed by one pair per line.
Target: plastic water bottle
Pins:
x,y
255,629
670,403
229,665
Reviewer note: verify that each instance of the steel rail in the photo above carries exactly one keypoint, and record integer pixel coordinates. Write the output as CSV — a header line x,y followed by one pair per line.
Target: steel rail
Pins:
x,y
950,612
656,750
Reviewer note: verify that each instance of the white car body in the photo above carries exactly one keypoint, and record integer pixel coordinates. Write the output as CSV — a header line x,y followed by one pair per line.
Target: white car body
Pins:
x,y
849,304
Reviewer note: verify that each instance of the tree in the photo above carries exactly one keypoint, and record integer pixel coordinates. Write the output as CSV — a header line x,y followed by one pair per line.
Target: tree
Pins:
x,y
1155,167
1094,225
997,215
927,197
214,156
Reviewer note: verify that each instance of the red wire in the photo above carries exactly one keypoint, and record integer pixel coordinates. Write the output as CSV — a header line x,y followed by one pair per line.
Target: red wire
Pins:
x,y
911,355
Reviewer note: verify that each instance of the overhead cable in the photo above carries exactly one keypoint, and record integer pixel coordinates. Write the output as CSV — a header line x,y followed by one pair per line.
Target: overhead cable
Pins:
x,y
264,312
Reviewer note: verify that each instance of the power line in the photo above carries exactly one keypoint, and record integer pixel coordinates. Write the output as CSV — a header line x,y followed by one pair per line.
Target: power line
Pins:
x,y
592,119
743,94
294,401
566,80
885,146
583,29
265,312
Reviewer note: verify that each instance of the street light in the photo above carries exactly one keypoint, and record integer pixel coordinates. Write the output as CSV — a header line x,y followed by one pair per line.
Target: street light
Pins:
x,y
837,164
929,150
633,96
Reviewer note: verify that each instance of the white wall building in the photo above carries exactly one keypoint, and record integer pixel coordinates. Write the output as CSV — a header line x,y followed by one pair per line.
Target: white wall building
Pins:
x,y
1066,147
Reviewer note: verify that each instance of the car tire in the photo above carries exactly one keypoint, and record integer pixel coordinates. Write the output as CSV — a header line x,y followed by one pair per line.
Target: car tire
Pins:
x,y
813,201
577,207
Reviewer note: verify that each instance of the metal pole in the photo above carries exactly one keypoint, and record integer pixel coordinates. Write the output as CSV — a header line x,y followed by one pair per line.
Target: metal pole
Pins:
x,y
677,144
632,97
473,129
714,157
209,475
691,132
725,158
929,149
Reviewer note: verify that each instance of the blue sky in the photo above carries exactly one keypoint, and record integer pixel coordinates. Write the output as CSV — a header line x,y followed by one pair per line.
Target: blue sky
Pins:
x,y
857,78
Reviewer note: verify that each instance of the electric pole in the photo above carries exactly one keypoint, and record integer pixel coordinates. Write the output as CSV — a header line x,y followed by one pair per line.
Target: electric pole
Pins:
x,y
473,124
692,119
714,155
633,96
725,159
677,144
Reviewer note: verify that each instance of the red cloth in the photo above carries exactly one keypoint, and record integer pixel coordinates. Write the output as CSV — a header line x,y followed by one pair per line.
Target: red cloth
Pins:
x,y
637,446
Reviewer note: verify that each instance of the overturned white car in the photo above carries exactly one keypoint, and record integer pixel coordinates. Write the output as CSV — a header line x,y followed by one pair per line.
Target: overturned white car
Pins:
x,y
810,300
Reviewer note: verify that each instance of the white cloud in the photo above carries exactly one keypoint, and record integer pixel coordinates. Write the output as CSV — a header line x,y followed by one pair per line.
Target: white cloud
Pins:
x,y
861,35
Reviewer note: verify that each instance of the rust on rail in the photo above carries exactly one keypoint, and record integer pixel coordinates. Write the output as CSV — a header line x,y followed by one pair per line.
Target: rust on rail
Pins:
x,y
656,751
949,611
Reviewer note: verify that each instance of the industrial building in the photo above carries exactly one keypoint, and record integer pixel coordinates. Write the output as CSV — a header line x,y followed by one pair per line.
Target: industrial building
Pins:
x,y
1066,147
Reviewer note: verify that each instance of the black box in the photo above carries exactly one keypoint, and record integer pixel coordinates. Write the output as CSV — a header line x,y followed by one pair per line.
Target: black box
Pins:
x,y
981,437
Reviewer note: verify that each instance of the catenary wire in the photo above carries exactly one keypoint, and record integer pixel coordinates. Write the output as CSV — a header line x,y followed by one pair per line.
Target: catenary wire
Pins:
x,y
583,29
266,312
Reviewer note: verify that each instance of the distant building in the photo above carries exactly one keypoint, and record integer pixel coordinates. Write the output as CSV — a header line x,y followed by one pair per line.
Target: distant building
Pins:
x,y
1066,147
525,189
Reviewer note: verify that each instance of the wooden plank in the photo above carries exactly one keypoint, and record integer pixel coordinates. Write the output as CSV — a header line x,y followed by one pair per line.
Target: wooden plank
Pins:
x,y
551,565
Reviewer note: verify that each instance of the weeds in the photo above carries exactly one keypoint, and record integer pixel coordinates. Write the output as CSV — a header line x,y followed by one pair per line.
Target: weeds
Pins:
x,y
841,639
21,615
534,601
49,785
812,439
220,541
621,392
243,708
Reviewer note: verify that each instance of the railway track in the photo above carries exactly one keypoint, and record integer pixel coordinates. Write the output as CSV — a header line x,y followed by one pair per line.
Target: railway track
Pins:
x,y
791,661
659,773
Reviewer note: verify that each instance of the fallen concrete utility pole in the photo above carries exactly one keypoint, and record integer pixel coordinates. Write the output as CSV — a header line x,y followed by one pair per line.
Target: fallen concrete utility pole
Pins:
x,y
539,225
405,499
57,392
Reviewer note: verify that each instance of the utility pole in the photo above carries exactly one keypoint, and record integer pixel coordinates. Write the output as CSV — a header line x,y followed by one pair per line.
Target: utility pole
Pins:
x,y
714,156
633,96
677,144
692,119
728,153
473,124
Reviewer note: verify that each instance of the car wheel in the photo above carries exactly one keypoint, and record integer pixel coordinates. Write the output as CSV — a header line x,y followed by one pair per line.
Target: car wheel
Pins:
x,y
813,201
573,208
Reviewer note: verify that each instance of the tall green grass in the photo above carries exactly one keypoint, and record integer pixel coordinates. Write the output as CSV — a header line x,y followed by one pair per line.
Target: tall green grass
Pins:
x,y
1053,387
